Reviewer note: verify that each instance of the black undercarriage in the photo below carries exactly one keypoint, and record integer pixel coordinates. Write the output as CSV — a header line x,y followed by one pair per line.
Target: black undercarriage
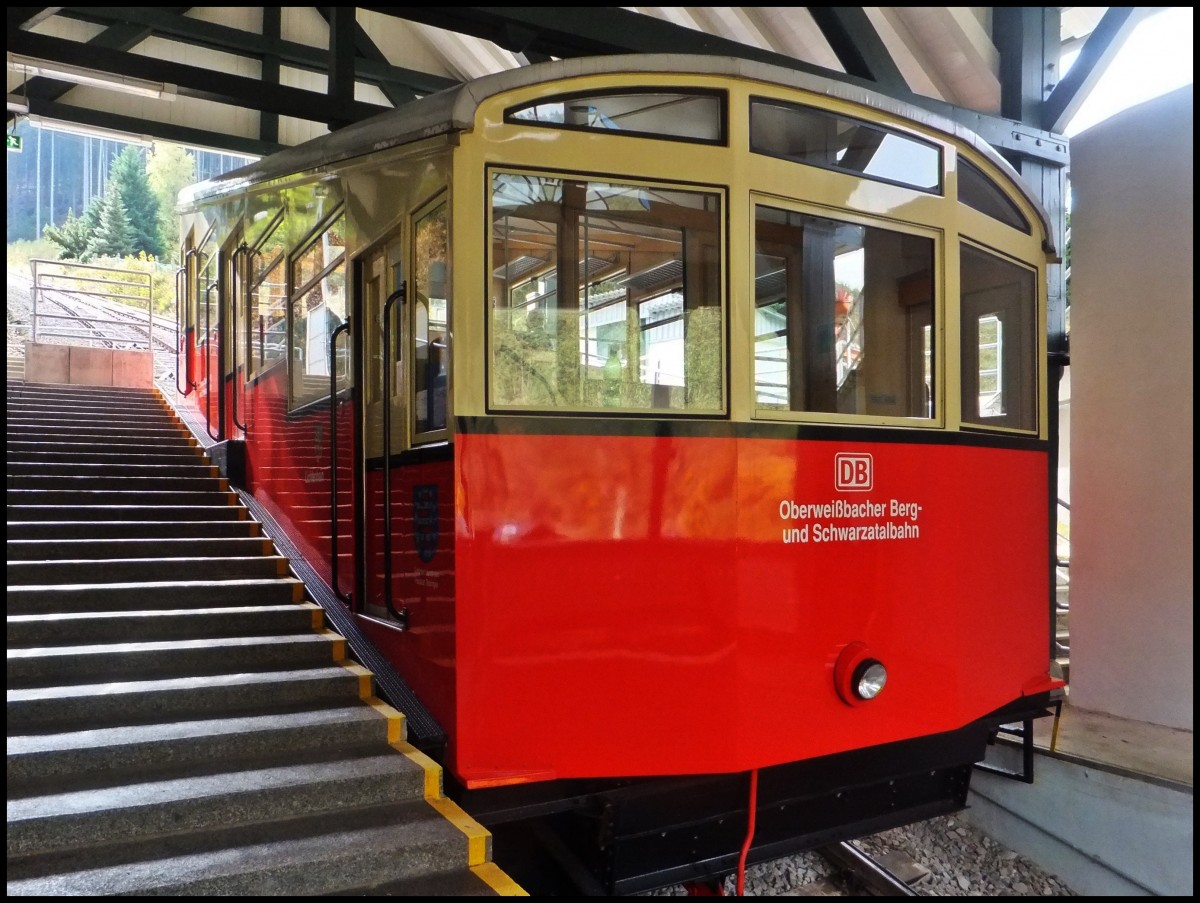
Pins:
x,y
616,837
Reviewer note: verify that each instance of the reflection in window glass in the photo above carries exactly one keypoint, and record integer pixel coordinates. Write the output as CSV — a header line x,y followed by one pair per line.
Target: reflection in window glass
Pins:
x,y
667,114
605,296
431,354
978,191
204,299
990,377
819,138
318,307
320,254
209,297
842,317
268,301
999,342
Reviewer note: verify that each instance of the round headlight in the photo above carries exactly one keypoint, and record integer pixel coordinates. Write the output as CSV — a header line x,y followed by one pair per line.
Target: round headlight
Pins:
x,y
870,677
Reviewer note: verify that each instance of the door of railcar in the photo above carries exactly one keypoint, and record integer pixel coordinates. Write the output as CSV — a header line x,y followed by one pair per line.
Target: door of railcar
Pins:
x,y
208,331
405,497
233,318
379,376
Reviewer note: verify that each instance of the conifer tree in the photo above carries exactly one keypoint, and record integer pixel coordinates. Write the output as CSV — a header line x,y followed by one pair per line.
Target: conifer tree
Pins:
x,y
128,178
114,236
71,237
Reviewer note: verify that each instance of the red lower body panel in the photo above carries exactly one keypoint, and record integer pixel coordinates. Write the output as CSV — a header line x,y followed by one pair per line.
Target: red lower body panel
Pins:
x,y
640,605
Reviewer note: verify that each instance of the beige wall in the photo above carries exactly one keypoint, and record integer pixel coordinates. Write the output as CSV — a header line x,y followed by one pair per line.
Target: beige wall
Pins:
x,y
1131,414
82,366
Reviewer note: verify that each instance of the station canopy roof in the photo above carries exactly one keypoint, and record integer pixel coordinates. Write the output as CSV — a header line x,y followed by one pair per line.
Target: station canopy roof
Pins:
x,y
253,80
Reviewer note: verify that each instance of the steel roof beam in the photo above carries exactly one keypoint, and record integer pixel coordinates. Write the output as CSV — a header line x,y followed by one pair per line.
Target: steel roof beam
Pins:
x,y
369,52
194,81
121,36
272,28
244,43
568,31
1097,53
858,46
163,131
29,16
341,61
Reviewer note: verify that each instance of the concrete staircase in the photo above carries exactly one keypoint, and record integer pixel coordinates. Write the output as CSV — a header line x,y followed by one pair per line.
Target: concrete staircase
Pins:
x,y
1062,619
1062,591
179,719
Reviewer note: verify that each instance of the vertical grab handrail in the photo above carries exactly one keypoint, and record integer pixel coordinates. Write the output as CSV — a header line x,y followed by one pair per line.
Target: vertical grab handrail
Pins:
x,y
179,336
233,392
333,490
189,350
208,363
400,615
181,323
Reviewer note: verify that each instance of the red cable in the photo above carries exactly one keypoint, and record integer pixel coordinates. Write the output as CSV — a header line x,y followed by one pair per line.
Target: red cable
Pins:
x,y
741,871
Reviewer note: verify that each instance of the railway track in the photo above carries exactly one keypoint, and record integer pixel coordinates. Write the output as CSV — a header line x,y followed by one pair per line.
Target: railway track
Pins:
x,y
92,313
95,319
835,870
862,872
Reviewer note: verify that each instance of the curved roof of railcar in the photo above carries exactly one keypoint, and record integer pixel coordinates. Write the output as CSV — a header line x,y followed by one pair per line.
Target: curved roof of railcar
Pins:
x,y
454,110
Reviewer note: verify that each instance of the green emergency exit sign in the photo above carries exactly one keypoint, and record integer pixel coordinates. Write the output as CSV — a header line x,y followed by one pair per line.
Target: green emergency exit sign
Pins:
x,y
14,143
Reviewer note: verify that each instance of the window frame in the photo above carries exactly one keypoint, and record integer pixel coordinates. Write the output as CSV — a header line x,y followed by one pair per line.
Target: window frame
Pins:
x,y
418,437
968,352
720,192
939,150
253,374
1000,198
294,292
720,95
937,418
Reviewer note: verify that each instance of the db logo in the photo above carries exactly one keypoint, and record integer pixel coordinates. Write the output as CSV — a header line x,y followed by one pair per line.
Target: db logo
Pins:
x,y
853,473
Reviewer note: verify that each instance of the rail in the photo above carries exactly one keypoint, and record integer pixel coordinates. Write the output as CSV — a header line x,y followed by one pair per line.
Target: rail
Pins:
x,y
87,280
401,615
333,458
875,879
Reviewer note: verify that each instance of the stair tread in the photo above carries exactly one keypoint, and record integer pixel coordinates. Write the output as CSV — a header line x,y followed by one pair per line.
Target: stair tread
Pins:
x,y
361,844
169,559
99,738
79,651
57,821
156,584
169,684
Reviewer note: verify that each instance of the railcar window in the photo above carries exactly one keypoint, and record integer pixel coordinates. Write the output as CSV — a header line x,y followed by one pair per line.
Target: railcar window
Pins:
x,y
977,191
843,317
819,138
268,299
999,342
318,280
196,283
205,303
678,115
605,296
431,353
209,298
